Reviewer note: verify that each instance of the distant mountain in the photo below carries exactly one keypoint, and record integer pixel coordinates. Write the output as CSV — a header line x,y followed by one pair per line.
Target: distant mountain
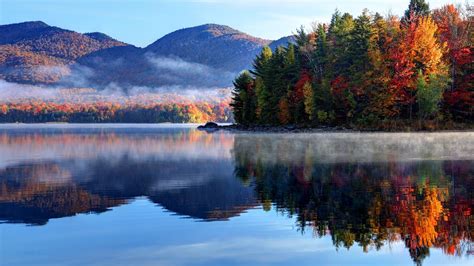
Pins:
x,y
218,46
204,56
34,52
13,33
40,38
282,42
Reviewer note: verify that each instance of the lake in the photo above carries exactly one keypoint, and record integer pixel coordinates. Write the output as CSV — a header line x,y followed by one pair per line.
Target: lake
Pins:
x,y
172,195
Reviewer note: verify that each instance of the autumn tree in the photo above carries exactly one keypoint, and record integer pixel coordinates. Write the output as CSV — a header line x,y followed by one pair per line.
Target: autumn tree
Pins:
x,y
365,71
455,29
380,99
309,107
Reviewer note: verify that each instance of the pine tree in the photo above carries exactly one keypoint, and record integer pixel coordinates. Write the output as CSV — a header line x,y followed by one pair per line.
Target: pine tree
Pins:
x,y
292,76
416,9
243,99
304,48
277,82
339,36
263,110
359,47
323,102
263,87
260,64
320,57
360,44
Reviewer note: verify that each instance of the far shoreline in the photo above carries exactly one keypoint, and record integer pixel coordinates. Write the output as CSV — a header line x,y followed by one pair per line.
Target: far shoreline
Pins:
x,y
212,127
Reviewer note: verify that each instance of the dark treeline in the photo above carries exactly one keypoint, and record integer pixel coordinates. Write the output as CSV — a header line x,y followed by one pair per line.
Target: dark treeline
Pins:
x,y
367,72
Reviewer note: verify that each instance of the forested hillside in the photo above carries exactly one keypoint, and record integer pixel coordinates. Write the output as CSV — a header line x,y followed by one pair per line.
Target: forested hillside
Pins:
x,y
34,52
370,71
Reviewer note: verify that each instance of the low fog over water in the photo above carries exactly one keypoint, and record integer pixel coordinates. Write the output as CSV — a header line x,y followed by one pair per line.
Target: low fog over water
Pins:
x,y
358,147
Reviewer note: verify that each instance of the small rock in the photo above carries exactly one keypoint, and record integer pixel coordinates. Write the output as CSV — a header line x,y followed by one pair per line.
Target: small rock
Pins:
x,y
209,126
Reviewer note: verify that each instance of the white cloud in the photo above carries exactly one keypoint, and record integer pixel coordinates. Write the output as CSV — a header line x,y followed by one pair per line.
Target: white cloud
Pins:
x,y
251,250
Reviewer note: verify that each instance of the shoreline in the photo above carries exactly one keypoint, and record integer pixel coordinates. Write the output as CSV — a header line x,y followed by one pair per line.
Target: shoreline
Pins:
x,y
213,127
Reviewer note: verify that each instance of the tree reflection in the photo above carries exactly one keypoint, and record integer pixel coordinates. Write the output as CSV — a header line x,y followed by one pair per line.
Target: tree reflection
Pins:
x,y
425,204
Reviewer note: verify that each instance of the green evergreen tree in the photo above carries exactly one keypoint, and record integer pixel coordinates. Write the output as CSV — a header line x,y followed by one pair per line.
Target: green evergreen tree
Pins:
x,y
323,102
260,64
262,72
277,82
321,52
339,36
291,65
416,9
243,99
291,76
359,70
359,46
263,101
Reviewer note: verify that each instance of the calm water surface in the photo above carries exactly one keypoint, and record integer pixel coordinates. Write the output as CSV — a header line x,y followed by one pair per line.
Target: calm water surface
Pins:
x,y
171,195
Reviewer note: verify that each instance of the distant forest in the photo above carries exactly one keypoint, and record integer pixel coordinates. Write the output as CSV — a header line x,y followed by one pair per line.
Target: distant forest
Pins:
x,y
110,112
369,72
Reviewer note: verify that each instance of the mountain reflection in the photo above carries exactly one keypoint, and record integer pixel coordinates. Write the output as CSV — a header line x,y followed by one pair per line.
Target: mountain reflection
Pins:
x,y
368,190
26,196
397,197
61,174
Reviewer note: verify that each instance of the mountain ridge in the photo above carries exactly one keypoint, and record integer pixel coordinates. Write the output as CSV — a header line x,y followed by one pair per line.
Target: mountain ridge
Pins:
x,y
207,55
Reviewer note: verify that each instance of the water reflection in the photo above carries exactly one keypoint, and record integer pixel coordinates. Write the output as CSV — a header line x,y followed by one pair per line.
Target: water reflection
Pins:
x,y
62,173
369,190
405,193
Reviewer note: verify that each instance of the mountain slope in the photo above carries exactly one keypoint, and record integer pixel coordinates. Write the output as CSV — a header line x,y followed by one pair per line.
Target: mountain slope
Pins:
x,y
282,42
34,52
219,46
13,33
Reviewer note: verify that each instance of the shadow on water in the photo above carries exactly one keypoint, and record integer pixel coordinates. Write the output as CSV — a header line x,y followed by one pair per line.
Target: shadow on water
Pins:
x,y
368,190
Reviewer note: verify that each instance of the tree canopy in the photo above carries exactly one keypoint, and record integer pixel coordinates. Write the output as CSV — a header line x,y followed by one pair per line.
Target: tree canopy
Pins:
x,y
366,71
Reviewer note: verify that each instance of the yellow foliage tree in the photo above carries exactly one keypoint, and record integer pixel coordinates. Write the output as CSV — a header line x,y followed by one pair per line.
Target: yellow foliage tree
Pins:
x,y
428,52
308,100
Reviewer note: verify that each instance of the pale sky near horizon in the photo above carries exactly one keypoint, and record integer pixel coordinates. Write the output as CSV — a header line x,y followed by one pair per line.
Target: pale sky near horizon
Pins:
x,y
141,22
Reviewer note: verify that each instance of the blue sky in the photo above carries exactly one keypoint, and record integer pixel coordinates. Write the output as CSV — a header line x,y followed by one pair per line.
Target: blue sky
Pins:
x,y
141,22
